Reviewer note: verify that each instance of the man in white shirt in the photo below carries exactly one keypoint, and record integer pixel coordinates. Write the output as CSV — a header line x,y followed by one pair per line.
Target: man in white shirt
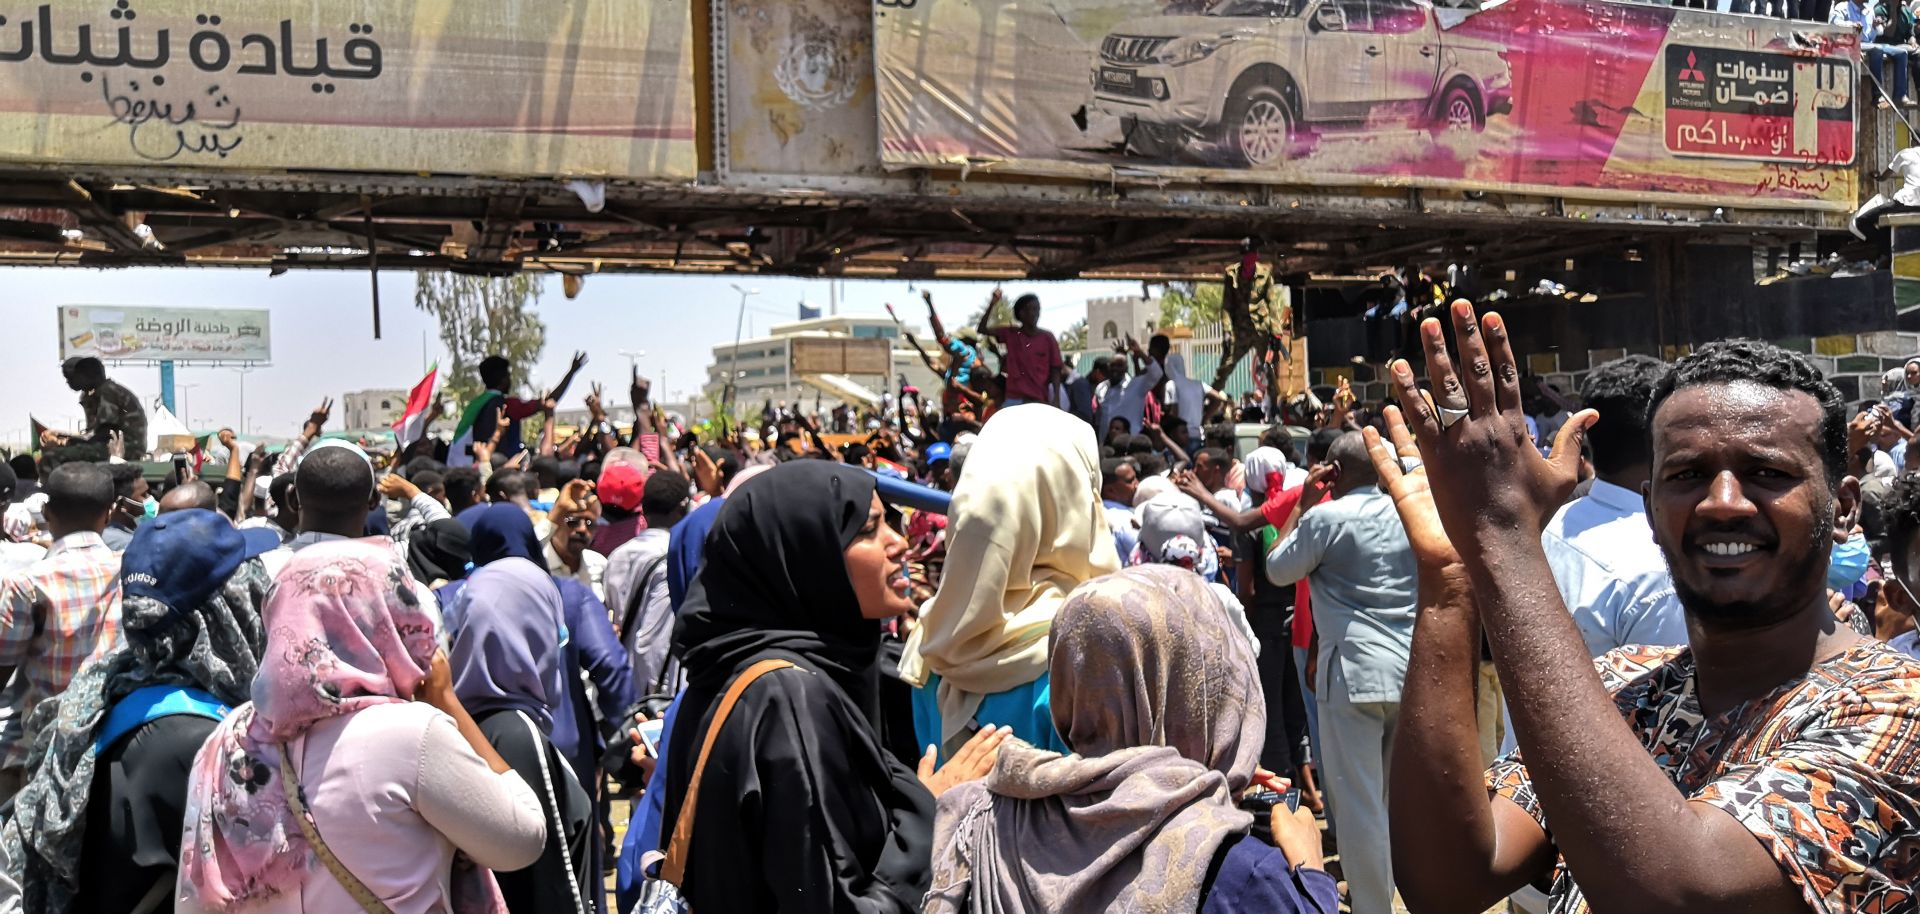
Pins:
x,y
636,580
1131,404
1609,570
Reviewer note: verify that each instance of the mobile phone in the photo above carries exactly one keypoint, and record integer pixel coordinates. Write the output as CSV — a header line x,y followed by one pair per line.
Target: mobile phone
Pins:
x,y
1261,802
650,736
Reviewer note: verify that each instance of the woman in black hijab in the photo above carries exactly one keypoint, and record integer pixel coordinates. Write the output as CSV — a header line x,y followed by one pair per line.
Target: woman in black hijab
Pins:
x,y
439,552
801,808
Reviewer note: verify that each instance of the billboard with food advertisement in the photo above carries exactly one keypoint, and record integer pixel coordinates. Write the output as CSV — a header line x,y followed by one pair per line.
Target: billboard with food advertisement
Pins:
x,y
118,333
1586,98
588,88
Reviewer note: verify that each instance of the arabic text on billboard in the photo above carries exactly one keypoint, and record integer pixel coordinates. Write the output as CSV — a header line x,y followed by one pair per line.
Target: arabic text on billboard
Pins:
x,y
587,88
1585,98
111,332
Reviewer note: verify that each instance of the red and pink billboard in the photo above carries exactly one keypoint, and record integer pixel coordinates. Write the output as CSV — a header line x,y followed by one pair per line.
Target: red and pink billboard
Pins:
x,y
1589,99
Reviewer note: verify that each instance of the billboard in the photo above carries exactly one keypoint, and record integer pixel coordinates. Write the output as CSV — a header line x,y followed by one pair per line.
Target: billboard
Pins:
x,y
116,333
841,355
584,88
1586,98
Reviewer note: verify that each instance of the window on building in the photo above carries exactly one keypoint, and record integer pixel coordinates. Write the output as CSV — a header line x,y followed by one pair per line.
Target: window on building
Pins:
x,y
1110,332
386,404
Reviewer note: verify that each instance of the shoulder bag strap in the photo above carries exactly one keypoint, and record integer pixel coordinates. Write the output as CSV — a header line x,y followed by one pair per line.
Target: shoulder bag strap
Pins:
x,y
290,783
675,866
541,747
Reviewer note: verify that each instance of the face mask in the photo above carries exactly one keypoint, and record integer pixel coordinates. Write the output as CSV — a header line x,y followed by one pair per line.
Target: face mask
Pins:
x,y
1848,564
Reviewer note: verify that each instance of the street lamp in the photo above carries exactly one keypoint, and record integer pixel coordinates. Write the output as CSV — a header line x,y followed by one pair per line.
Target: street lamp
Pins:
x,y
633,358
733,366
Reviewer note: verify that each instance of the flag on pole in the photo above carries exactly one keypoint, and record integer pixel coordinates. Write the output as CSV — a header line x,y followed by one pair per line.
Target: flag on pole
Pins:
x,y
460,454
413,420
35,429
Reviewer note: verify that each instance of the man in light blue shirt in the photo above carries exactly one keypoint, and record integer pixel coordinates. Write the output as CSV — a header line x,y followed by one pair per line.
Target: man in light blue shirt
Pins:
x,y
1608,568
1353,552
1870,22
1601,549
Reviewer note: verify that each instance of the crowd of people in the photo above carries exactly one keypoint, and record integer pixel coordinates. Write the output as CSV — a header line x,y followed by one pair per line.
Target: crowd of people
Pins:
x,y
1061,644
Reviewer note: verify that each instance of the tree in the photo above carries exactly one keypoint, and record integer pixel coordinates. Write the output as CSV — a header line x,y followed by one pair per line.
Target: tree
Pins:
x,y
1075,337
479,317
1002,315
1190,304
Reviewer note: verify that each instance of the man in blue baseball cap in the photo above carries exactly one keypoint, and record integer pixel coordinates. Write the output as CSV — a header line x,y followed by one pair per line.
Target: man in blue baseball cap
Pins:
x,y
939,456
98,825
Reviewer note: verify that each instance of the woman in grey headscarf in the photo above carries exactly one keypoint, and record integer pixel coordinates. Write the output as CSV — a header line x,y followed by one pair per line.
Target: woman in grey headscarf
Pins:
x,y
98,825
1158,698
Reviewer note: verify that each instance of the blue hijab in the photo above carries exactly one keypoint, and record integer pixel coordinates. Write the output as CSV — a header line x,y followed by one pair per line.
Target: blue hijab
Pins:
x,y
686,548
504,531
506,653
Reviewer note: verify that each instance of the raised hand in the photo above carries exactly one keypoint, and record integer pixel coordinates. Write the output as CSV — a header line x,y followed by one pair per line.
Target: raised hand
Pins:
x,y
499,423
398,487
117,444
1491,480
227,439
579,362
593,403
1404,478
317,419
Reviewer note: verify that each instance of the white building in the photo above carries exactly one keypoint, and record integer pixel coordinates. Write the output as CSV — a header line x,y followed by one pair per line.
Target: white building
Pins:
x,y
1110,320
763,367
372,408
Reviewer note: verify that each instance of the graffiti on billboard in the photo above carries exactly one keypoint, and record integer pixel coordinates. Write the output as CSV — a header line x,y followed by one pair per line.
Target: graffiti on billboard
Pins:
x,y
1569,97
490,87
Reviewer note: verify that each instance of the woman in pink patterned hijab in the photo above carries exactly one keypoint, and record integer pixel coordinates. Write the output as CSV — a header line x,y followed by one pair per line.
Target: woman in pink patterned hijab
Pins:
x,y
347,638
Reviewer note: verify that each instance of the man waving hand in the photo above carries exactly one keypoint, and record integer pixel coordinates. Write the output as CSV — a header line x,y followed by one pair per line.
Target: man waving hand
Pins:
x,y
1770,766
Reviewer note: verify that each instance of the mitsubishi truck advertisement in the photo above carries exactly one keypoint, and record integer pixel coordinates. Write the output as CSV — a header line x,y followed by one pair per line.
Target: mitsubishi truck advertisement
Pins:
x,y
1587,98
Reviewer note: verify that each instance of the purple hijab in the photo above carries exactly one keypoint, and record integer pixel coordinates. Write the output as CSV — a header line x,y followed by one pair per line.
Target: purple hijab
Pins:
x,y
506,652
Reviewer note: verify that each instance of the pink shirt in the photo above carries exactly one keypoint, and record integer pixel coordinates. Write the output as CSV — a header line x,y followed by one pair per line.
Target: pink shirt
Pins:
x,y
1031,360
394,789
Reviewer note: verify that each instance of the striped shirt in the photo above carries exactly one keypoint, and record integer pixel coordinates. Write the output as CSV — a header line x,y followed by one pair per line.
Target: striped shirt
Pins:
x,y
58,614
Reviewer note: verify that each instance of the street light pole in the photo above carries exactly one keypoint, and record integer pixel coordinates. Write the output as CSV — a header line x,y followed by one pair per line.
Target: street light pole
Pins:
x,y
733,364
186,407
243,370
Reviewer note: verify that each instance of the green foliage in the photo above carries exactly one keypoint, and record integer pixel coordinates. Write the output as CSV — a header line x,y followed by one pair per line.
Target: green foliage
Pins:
x,y
480,317
1075,337
1002,315
1190,304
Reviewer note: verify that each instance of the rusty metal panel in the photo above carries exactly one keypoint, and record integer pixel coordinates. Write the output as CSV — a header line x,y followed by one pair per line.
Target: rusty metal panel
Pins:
x,y
797,87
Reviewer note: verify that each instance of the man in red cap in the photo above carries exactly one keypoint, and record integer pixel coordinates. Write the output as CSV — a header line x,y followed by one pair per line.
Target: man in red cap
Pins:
x,y
619,489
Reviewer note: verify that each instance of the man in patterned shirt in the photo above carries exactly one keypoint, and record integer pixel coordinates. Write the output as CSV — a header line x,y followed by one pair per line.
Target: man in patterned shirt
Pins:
x,y
59,613
1771,766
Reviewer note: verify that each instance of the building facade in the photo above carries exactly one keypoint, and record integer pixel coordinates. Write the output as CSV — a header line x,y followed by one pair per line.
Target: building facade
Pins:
x,y
372,408
762,368
1110,320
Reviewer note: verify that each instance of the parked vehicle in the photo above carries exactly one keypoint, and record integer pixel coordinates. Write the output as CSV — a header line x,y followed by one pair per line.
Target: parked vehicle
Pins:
x,y
1251,76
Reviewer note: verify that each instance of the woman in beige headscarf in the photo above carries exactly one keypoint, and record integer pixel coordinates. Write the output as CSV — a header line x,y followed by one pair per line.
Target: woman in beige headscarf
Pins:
x,y
1026,527
1161,701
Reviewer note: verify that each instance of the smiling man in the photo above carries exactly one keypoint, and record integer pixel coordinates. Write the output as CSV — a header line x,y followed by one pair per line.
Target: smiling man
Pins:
x,y
1771,766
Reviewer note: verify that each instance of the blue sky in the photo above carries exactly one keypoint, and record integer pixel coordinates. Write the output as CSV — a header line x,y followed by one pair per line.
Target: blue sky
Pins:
x,y
323,332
